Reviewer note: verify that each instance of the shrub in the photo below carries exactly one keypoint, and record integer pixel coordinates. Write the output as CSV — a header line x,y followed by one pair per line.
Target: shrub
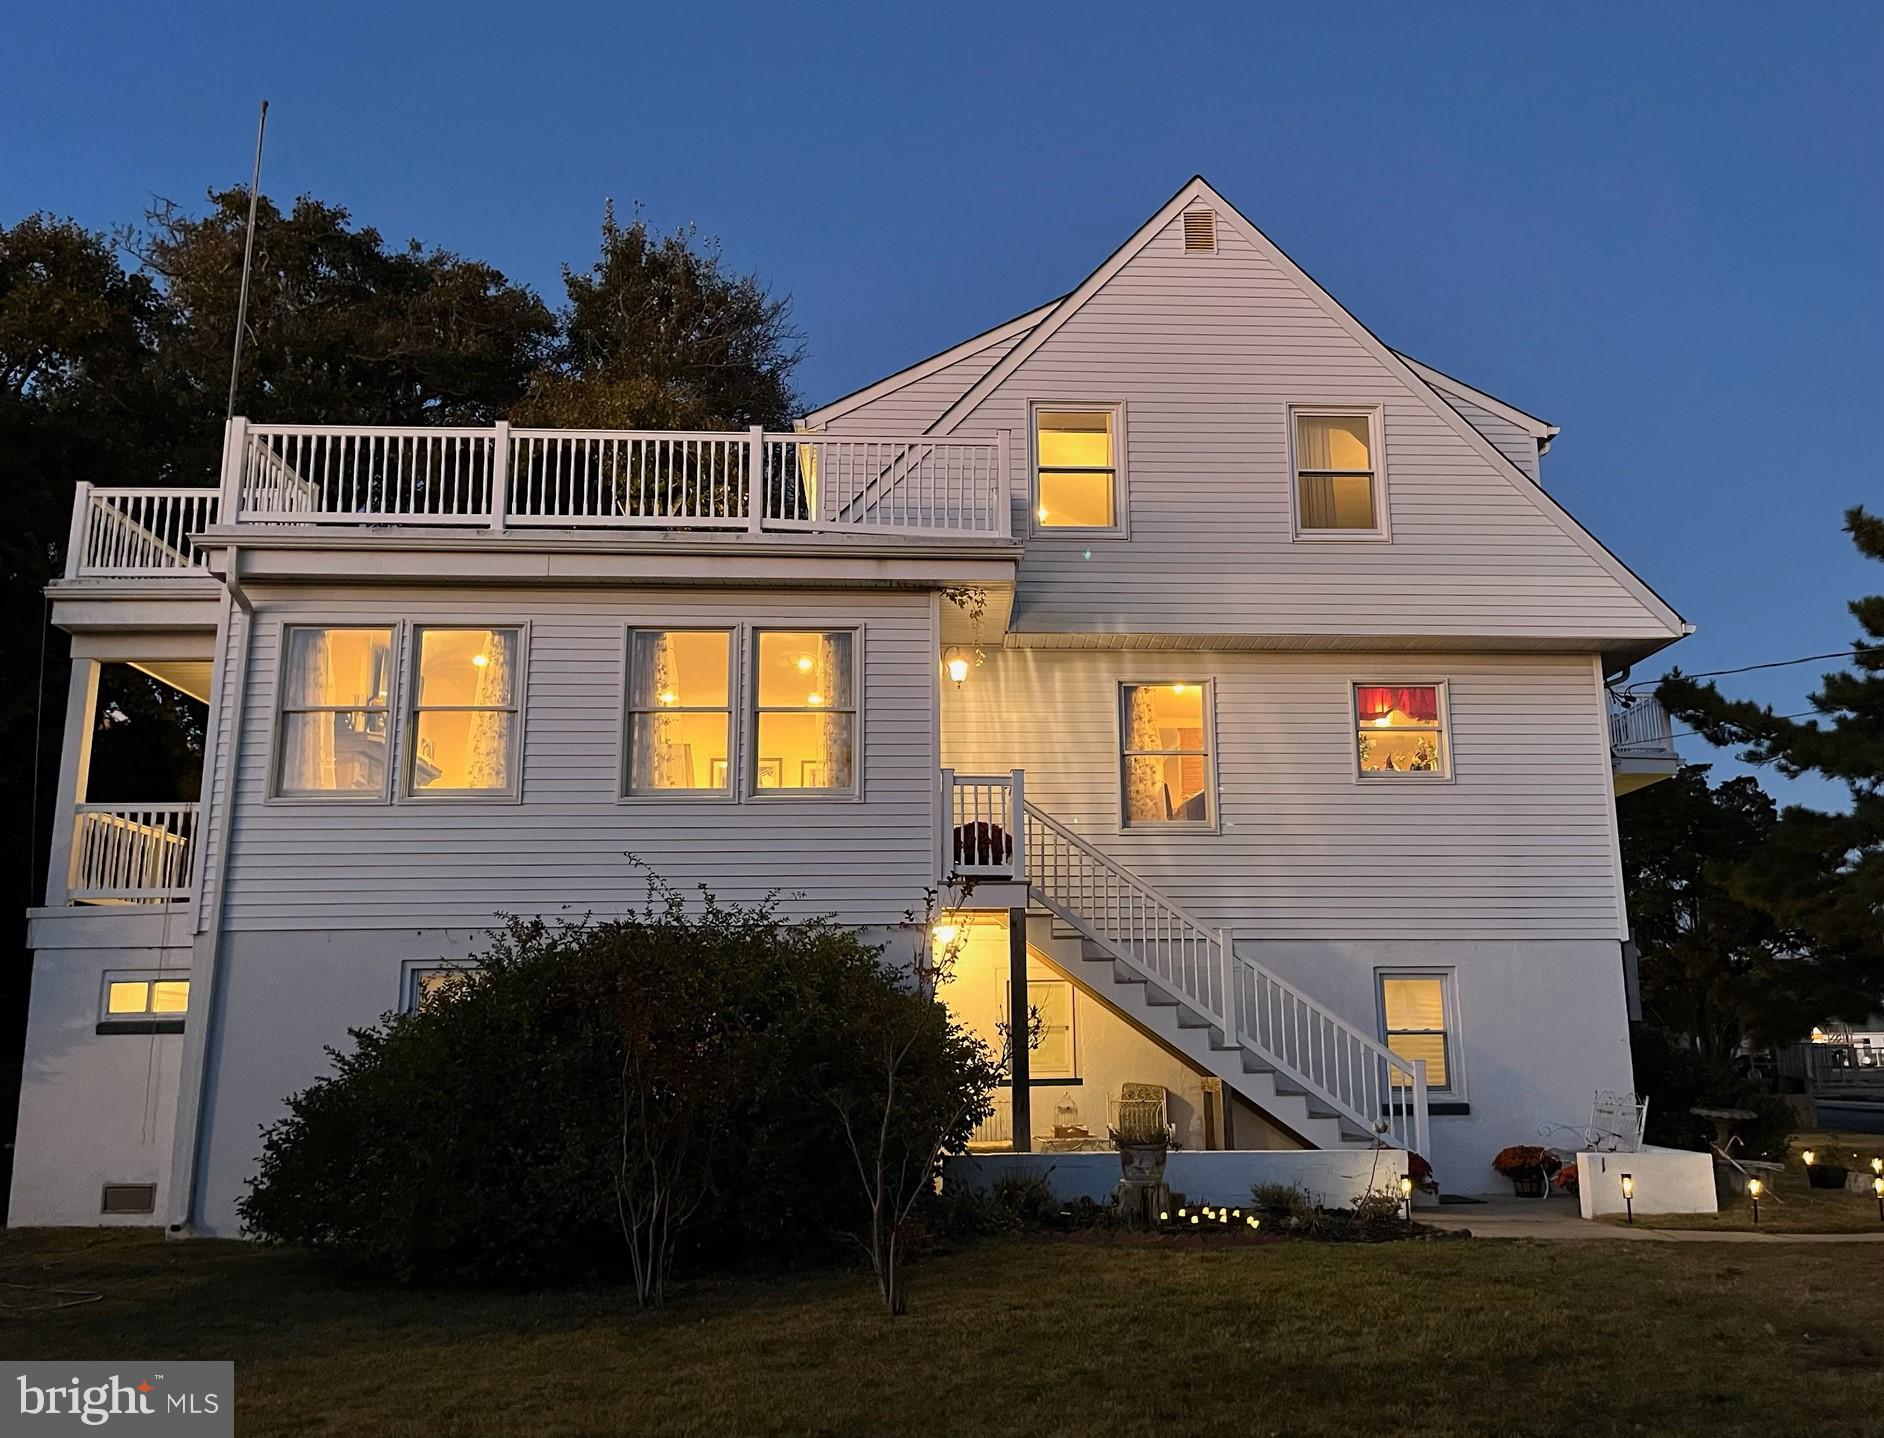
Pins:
x,y
1284,1205
521,1126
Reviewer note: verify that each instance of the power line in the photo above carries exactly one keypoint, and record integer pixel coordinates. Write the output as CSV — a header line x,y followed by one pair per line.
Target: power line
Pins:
x,y
1770,664
1696,733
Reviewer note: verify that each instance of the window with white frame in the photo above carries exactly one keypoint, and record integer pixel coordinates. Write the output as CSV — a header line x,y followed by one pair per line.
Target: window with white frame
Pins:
x,y
1400,731
680,711
1417,1022
424,983
804,712
144,1002
464,711
1056,1055
1337,473
1076,467
1164,733
334,732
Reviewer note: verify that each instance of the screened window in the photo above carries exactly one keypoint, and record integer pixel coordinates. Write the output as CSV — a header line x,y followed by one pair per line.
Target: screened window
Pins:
x,y
805,729
1335,475
336,686
1076,484
1055,1056
1416,1021
1400,729
1166,758
680,714
464,729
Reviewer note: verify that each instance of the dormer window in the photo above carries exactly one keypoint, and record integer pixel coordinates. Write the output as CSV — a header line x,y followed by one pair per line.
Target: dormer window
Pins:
x,y
1338,492
1076,467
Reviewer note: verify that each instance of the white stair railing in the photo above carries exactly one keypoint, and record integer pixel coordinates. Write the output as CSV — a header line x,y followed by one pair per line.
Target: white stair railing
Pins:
x,y
980,837
1341,1066
132,853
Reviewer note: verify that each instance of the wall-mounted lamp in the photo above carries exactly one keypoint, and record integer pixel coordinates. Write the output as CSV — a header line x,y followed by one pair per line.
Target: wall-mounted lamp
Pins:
x,y
1628,1194
956,663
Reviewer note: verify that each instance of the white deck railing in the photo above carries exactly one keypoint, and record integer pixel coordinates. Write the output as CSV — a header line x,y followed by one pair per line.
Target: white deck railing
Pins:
x,y
132,853
123,532
498,477
1342,1067
980,834
1640,728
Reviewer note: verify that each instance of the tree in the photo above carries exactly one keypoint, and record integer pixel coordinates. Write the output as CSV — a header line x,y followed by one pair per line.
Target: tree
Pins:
x,y
1821,874
657,334
1716,970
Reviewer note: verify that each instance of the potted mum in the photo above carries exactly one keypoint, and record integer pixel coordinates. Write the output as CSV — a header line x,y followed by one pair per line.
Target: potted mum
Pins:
x,y
1528,1168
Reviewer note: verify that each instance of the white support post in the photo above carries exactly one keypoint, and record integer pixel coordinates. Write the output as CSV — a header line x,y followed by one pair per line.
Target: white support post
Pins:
x,y
1419,1110
500,476
1017,821
755,478
75,762
1003,483
235,445
944,826
81,527
1226,960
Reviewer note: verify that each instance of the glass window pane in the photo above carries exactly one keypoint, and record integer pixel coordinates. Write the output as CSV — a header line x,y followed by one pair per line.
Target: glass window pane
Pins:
x,y
1075,439
1414,1003
427,984
680,668
170,996
348,668
1164,716
462,749
333,753
805,670
467,666
1337,501
1324,441
1082,501
127,996
1399,751
804,751
1431,1047
680,751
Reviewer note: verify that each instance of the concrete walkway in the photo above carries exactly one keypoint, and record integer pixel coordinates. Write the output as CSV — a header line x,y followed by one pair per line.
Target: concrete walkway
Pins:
x,y
1557,1218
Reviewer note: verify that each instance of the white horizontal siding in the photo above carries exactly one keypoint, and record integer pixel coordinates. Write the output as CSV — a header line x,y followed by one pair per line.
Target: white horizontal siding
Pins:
x,y
1519,845
563,848
913,407
1515,444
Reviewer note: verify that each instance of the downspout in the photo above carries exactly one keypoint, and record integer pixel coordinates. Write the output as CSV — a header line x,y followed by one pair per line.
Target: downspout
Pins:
x,y
206,950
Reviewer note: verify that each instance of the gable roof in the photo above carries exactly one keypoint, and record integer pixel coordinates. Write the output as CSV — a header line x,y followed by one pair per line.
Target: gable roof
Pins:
x,y
1199,191
1541,430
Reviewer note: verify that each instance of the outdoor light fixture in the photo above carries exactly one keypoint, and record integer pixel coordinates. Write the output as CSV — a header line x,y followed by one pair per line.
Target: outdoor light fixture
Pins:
x,y
946,932
1877,1187
1406,1194
1754,1189
1810,1156
1628,1194
957,664
1877,1166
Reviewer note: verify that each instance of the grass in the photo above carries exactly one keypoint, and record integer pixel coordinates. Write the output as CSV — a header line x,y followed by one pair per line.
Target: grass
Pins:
x,y
1030,1337
1790,1204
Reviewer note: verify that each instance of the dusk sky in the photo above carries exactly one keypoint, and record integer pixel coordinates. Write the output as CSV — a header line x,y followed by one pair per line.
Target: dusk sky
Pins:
x,y
1658,226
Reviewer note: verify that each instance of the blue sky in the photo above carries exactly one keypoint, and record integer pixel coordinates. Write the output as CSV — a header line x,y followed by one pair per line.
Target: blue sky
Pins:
x,y
1659,226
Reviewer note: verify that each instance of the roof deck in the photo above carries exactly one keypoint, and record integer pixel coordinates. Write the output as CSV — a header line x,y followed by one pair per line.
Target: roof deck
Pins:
x,y
499,478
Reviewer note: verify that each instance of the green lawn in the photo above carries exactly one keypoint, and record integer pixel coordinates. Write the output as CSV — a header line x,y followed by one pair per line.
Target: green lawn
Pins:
x,y
1790,1204
1032,1337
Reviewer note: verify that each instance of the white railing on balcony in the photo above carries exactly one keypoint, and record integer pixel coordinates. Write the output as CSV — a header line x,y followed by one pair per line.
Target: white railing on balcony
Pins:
x,y
132,853
980,837
498,477
1342,1067
124,532
1639,727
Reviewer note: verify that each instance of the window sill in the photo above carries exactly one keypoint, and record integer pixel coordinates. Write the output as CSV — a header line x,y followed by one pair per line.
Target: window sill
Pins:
x,y
140,1026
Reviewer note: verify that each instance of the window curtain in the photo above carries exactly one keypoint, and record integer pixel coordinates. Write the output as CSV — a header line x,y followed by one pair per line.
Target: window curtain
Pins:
x,y
488,742
660,760
1144,782
309,764
1375,701
838,728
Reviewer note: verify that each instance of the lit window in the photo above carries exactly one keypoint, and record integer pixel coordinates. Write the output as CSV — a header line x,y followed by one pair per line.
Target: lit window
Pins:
x,y
1166,758
464,712
334,706
806,730
1400,729
1415,1014
1335,474
1076,485
145,1001
680,715
425,985
1055,1056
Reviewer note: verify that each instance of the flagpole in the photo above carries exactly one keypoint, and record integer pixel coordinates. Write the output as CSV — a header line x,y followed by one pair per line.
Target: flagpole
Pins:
x,y
248,259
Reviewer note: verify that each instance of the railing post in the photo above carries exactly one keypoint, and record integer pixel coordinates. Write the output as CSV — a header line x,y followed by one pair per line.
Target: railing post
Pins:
x,y
1017,821
235,445
1003,483
1419,1110
1227,976
81,528
755,478
944,817
500,476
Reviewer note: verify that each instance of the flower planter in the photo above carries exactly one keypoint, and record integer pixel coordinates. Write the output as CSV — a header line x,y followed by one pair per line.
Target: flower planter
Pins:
x,y
1142,1163
1528,1185
1826,1175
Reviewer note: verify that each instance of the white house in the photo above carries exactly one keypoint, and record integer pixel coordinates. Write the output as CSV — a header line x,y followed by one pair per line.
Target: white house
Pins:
x,y
1244,664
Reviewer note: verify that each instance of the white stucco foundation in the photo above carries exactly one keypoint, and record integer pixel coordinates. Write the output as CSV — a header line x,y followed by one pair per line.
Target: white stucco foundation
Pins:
x,y
1667,1180
1333,1178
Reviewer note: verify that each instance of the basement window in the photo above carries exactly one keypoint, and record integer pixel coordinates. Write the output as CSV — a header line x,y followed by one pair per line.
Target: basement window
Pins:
x,y
143,1003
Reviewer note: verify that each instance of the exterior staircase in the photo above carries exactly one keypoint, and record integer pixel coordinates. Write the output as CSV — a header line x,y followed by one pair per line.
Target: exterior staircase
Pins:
x,y
1305,1068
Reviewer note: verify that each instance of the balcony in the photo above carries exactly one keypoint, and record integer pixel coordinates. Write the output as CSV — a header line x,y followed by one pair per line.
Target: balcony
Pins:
x,y
132,853
1641,742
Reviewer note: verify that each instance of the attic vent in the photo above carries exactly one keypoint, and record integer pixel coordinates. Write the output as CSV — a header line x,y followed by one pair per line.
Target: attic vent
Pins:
x,y
129,1198
1200,232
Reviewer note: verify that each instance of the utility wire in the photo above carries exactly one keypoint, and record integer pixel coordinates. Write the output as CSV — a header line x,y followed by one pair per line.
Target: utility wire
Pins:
x,y
1770,664
1694,733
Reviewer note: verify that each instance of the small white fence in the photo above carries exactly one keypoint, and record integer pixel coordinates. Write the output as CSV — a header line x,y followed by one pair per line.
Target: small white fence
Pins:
x,y
1639,728
124,532
981,836
132,853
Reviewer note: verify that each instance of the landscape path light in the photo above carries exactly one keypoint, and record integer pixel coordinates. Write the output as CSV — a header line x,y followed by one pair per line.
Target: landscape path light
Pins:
x,y
1628,1194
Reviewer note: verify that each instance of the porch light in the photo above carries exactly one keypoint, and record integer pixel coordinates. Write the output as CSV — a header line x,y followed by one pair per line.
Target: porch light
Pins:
x,y
946,933
1628,1194
957,664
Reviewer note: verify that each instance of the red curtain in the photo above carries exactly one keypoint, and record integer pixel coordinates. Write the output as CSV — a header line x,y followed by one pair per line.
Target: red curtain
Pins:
x,y
1376,701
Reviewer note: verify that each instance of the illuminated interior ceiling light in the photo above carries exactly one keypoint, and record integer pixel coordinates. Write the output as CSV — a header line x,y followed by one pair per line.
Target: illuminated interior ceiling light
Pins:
x,y
668,696
1383,721
480,660
814,697
804,663
946,933
1177,688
